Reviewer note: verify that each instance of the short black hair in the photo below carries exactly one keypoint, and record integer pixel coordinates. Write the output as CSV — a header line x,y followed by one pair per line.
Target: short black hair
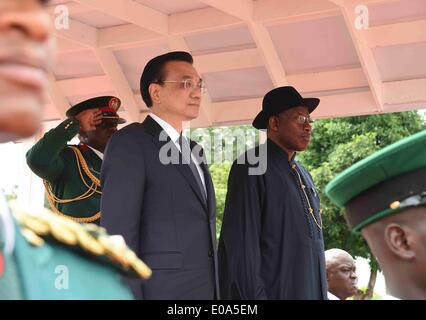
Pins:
x,y
154,71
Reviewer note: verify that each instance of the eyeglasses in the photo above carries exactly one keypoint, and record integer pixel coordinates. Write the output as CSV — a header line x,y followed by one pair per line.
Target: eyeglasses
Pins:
x,y
304,119
301,119
187,84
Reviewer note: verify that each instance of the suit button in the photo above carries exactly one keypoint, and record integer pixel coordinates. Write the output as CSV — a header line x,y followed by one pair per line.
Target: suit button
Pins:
x,y
210,253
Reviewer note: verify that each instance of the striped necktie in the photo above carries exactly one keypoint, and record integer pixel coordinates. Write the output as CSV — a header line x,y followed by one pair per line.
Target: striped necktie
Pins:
x,y
186,154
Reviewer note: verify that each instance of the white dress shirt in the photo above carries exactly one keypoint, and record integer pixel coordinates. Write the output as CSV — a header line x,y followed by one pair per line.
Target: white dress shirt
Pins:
x,y
174,136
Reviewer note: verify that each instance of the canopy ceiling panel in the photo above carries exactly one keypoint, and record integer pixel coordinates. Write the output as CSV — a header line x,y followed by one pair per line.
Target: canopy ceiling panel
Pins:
x,y
314,45
220,41
397,11
170,7
79,64
56,2
401,62
97,19
238,84
132,62
244,48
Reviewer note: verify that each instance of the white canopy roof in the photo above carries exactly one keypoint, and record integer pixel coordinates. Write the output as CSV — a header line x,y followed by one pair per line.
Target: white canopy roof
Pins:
x,y
244,48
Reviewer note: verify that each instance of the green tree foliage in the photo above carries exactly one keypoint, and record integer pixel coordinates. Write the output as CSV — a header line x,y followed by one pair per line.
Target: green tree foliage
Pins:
x,y
220,173
337,144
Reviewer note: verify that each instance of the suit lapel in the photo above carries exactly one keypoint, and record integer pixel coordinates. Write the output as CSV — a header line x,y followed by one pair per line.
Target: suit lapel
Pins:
x,y
154,129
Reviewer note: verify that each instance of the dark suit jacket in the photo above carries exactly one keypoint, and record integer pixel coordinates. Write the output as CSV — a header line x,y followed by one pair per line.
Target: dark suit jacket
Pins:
x,y
162,214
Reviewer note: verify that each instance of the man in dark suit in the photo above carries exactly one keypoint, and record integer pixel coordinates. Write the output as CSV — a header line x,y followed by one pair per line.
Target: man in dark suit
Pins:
x,y
157,194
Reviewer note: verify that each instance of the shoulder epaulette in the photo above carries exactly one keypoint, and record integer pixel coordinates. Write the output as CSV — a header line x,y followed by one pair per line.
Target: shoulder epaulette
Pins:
x,y
88,239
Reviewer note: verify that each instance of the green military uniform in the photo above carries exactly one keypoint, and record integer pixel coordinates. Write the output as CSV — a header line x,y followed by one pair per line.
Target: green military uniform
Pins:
x,y
382,184
71,173
55,258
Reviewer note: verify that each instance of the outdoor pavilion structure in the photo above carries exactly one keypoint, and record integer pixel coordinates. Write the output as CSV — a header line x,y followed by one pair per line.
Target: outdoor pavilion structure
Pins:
x,y
359,56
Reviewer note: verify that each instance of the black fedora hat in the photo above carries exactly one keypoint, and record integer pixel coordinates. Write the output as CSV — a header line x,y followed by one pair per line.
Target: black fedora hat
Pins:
x,y
280,99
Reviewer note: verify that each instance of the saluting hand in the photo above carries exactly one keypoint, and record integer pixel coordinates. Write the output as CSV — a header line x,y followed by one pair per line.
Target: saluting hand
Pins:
x,y
89,119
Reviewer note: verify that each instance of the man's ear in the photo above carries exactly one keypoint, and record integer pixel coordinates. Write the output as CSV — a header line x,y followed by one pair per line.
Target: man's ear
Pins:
x,y
399,240
273,123
154,92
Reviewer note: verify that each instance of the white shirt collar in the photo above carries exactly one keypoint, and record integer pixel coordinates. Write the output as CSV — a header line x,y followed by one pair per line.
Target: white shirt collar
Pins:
x,y
98,153
171,132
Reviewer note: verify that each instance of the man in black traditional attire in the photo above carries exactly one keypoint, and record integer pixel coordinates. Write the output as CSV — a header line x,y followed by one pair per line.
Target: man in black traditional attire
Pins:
x,y
271,244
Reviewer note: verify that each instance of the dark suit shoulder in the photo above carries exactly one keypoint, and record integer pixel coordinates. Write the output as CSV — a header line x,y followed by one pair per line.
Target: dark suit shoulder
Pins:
x,y
131,141
134,129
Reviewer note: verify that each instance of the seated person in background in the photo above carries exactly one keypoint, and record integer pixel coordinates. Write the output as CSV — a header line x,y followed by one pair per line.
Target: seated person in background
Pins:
x,y
341,275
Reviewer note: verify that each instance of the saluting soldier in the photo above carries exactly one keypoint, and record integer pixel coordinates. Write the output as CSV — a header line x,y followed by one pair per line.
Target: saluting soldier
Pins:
x,y
71,172
384,197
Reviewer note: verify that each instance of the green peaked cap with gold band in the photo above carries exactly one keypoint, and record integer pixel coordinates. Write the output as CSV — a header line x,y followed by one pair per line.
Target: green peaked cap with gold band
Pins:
x,y
384,183
108,105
